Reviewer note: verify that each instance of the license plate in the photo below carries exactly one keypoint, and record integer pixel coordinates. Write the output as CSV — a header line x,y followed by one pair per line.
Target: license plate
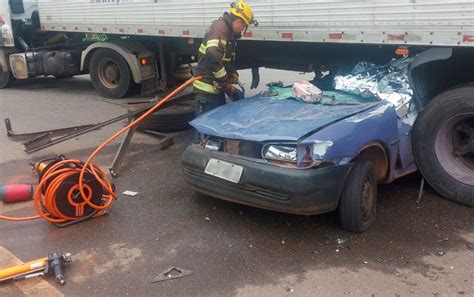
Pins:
x,y
225,170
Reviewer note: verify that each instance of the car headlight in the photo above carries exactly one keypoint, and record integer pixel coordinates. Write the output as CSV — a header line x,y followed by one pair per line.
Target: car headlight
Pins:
x,y
283,152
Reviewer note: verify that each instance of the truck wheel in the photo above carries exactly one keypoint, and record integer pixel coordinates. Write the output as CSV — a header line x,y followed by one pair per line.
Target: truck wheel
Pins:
x,y
443,144
357,206
6,79
110,74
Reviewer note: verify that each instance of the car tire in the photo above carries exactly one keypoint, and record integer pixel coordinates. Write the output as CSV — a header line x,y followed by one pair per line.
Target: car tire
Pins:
x,y
357,206
6,78
175,117
443,144
110,74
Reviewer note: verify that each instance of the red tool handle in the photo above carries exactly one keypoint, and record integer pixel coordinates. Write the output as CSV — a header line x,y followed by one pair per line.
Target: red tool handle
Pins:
x,y
16,193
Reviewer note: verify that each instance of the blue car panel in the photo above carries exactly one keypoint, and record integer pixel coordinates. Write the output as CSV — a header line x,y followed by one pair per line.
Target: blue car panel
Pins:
x,y
351,134
262,119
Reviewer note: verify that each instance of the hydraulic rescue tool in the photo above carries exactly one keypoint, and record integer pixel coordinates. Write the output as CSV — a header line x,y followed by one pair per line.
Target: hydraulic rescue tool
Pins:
x,y
71,191
53,264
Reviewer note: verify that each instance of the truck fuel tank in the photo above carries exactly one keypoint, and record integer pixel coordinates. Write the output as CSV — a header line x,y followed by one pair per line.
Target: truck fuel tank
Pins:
x,y
57,63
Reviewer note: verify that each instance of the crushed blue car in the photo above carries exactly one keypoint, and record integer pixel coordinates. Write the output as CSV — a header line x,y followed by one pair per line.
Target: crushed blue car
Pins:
x,y
300,158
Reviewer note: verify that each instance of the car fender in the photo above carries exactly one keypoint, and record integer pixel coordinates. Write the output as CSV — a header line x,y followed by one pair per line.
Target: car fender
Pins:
x,y
347,138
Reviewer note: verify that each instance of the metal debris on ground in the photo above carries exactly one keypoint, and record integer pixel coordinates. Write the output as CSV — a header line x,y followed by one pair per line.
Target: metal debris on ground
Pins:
x,y
421,192
36,141
341,244
172,273
341,241
130,193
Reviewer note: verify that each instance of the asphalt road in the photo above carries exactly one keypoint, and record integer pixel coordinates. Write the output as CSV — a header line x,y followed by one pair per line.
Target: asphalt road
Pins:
x,y
234,250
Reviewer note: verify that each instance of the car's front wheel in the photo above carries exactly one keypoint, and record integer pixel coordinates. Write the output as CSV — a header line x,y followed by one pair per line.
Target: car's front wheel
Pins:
x,y
357,206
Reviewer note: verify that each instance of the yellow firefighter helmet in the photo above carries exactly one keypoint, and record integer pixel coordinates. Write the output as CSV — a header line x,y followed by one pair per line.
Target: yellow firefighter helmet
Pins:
x,y
242,10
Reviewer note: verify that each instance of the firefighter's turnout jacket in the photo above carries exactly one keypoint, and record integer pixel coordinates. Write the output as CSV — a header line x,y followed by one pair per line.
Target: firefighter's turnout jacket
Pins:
x,y
216,57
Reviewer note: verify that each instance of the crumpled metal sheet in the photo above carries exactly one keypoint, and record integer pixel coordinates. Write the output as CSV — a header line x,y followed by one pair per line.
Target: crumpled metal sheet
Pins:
x,y
363,66
364,86
387,82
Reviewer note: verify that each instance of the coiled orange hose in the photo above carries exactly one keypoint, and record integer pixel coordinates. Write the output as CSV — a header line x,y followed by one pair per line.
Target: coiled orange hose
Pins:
x,y
45,204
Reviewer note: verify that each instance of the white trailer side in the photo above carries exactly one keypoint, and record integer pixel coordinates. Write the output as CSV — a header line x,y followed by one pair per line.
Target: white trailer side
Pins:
x,y
410,22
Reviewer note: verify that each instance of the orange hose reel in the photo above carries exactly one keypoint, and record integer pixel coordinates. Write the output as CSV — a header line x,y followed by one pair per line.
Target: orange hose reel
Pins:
x,y
71,190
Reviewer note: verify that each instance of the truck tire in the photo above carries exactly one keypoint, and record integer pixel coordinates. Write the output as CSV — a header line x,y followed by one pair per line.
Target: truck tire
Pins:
x,y
175,117
443,144
357,206
6,78
110,74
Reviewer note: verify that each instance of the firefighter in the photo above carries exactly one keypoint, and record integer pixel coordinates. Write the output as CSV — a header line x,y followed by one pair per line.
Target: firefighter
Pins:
x,y
217,57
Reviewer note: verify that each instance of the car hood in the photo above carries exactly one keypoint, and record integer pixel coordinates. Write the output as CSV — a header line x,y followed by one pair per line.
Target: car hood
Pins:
x,y
263,119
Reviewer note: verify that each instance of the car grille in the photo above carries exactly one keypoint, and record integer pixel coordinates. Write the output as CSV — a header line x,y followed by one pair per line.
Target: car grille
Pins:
x,y
243,148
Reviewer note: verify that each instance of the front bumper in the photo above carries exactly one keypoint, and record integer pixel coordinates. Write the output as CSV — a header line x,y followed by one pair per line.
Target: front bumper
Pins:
x,y
298,191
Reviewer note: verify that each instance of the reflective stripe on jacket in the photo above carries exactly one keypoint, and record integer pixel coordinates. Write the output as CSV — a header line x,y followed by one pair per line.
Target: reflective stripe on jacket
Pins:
x,y
216,57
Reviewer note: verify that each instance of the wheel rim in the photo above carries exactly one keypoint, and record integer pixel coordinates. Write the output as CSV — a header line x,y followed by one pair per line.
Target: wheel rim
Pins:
x,y
367,201
454,146
109,73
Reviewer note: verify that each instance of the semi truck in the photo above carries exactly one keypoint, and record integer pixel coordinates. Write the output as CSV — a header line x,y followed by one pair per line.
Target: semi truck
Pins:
x,y
147,45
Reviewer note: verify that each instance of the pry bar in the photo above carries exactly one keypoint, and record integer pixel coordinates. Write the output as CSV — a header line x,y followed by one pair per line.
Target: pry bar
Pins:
x,y
42,141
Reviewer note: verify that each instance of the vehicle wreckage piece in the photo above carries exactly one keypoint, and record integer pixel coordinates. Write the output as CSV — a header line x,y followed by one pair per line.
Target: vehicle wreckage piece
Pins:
x,y
387,82
172,273
42,140
34,135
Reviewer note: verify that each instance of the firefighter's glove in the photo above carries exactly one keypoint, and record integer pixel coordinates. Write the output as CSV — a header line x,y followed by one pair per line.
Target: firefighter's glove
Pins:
x,y
234,78
229,89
